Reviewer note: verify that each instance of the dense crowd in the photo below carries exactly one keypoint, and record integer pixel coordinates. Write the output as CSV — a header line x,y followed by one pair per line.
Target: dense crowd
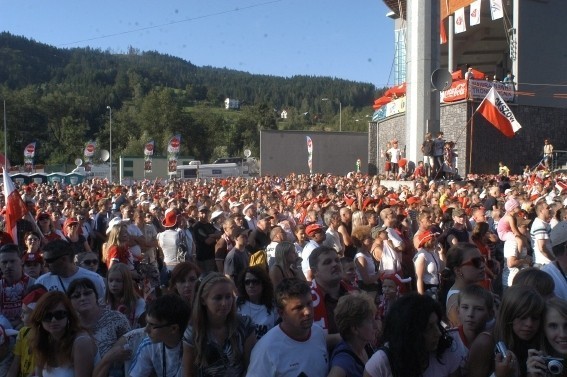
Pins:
x,y
304,275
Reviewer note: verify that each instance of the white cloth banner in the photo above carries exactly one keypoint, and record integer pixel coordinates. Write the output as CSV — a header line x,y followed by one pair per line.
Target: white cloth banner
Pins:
x,y
460,24
496,10
475,13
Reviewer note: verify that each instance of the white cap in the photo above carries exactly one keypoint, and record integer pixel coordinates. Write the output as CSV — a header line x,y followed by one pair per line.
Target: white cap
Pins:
x,y
111,223
216,214
558,233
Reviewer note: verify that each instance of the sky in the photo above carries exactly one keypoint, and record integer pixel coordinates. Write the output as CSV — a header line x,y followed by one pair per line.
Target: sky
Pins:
x,y
350,40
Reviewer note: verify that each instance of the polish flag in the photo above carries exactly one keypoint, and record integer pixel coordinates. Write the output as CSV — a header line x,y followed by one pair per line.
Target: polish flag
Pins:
x,y
460,24
497,112
15,207
475,13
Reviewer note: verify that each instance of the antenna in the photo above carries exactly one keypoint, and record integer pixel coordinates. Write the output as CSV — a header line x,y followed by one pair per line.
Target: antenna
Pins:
x,y
441,79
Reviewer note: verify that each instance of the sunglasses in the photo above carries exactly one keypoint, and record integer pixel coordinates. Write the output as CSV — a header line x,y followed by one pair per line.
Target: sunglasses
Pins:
x,y
477,262
90,262
58,315
32,239
252,282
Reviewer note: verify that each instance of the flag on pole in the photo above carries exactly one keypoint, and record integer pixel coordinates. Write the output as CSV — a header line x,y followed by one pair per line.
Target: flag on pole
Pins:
x,y
15,207
475,13
497,112
442,32
496,10
310,154
460,24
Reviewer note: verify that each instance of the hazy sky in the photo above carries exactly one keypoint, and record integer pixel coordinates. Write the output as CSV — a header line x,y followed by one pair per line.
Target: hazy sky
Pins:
x,y
344,39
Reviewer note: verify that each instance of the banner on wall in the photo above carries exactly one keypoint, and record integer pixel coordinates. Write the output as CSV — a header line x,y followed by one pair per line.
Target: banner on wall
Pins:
x,y
173,147
90,149
148,153
29,154
309,154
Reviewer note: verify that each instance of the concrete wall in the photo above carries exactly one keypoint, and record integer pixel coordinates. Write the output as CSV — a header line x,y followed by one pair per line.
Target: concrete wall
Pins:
x,y
487,144
285,152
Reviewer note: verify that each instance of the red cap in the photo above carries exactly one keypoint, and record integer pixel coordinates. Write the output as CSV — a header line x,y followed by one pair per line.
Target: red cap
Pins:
x,y
31,299
310,230
425,237
69,221
32,257
413,200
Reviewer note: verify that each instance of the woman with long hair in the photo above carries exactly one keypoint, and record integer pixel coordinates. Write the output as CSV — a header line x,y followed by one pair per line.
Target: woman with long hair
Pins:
x,y
465,266
553,344
121,295
365,265
256,299
285,265
415,342
59,343
218,341
183,280
115,250
48,230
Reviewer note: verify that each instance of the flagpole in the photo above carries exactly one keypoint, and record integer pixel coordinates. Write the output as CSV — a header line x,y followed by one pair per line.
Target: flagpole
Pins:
x,y
5,141
472,143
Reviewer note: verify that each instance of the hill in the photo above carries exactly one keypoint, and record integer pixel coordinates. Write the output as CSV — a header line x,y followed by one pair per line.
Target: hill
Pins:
x,y
59,97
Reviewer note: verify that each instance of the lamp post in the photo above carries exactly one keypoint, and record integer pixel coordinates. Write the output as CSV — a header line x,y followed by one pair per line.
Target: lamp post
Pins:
x,y
340,113
110,150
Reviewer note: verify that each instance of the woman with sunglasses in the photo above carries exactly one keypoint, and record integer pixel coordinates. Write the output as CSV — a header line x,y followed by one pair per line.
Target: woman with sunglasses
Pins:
x,y
88,260
72,231
105,325
256,298
465,266
121,295
60,345
48,230
218,341
32,242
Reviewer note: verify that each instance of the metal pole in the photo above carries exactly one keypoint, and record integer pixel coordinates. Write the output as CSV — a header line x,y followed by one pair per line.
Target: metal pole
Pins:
x,y
5,142
340,117
110,151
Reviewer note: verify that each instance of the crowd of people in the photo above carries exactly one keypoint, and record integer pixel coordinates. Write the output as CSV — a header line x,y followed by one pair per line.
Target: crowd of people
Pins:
x,y
304,275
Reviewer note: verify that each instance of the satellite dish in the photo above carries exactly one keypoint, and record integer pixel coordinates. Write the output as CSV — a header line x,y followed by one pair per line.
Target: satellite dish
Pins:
x,y
247,153
104,155
441,79
78,162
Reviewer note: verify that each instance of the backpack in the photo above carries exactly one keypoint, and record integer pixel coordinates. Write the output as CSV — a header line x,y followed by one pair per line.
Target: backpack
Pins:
x,y
259,258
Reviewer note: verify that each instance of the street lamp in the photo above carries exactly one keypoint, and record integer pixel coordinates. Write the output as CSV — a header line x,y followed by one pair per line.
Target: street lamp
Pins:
x,y
340,113
110,151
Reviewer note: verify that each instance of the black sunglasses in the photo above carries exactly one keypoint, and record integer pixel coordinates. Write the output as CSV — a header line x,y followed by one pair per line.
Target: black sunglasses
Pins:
x,y
52,260
90,262
58,315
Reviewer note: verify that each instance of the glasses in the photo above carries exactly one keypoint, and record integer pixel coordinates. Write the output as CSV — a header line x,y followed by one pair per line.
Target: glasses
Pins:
x,y
477,262
154,326
85,293
252,282
32,239
90,262
58,315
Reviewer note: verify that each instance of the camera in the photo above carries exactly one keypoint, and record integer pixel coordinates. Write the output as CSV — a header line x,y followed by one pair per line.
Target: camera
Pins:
x,y
554,365
501,348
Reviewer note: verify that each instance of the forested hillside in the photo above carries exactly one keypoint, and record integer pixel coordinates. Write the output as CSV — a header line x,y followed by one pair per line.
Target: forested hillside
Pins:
x,y
59,98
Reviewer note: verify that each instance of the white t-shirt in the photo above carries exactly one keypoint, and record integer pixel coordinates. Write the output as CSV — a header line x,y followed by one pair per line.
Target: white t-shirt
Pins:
x,y
263,321
540,231
307,250
271,251
511,250
149,360
57,283
333,239
276,354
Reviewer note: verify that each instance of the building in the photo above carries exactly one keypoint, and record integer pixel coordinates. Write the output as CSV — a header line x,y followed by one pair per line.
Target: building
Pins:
x,y
231,104
524,41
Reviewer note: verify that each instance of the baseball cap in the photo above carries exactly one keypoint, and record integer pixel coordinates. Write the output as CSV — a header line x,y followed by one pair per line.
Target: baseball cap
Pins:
x,y
310,230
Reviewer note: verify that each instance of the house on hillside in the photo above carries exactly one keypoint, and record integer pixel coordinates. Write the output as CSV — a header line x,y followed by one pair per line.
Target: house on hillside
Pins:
x,y
231,104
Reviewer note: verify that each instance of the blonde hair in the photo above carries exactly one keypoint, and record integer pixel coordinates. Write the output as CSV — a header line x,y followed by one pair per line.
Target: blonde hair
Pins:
x,y
113,240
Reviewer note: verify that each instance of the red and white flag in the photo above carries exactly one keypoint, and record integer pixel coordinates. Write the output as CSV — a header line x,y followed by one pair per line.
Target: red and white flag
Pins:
x,y
15,207
460,24
442,33
497,112
496,10
475,13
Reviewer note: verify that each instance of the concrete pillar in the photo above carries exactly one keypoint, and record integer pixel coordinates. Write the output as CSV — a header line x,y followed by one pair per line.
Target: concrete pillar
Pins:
x,y
422,107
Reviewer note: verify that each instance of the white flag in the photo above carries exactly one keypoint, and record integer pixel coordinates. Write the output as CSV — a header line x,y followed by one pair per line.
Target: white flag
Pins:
x,y
460,24
496,10
475,13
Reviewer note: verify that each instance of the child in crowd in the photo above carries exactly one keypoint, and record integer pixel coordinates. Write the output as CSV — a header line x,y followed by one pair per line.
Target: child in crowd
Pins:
x,y
393,286
23,363
475,309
